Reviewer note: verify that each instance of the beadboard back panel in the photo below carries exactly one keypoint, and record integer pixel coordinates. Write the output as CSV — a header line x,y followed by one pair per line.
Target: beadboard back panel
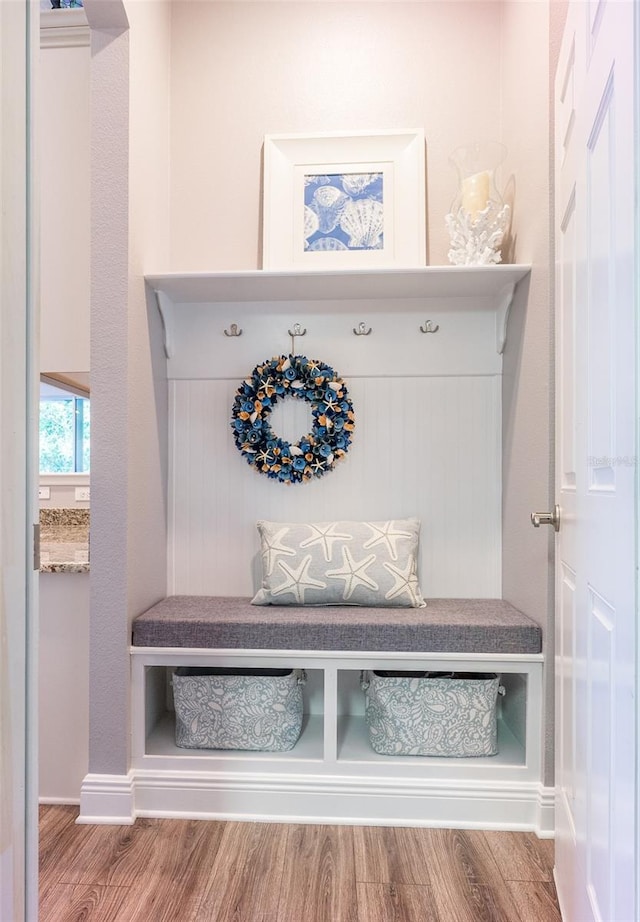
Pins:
x,y
424,445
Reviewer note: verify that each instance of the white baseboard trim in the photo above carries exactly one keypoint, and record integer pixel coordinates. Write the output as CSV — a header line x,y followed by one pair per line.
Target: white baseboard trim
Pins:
x,y
59,801
546,828
119,799
318,799
107,799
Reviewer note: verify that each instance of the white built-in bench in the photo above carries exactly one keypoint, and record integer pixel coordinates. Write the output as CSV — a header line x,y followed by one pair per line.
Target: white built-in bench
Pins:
x,y
332,774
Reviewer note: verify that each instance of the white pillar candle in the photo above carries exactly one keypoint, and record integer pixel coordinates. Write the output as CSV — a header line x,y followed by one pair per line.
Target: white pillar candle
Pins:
x,y
475,193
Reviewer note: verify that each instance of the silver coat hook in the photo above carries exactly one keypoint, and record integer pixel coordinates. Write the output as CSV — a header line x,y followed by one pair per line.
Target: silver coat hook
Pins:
x,y
233,330
430,327
362,329
297,331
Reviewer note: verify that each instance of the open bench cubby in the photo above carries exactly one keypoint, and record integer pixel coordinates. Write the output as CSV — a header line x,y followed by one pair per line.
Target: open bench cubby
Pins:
x,y
333,774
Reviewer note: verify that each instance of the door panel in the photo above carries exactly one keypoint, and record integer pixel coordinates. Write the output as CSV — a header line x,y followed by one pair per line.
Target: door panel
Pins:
x,y
567,328
600,710
566,659
596,640
600,312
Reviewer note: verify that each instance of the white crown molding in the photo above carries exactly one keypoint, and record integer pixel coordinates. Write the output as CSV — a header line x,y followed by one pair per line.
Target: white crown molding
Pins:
x,y
64,29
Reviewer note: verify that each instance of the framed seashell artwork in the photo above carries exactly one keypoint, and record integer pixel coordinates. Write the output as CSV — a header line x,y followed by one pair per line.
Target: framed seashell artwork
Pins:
x,y
344,201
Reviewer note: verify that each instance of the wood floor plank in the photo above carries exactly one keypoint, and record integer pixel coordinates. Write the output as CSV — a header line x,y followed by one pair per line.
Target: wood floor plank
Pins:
x,y
57,831
318,883
522,855
53,818
486,904
110,855
171,887
466,882
78,903
535,901
243,883
165,870
72,854
387,854
395,903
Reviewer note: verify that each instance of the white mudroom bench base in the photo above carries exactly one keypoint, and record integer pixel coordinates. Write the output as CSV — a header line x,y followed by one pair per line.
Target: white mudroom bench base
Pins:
x,y
333,775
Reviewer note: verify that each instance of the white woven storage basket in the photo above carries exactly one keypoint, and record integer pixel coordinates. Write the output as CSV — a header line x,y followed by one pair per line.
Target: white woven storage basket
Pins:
x,y
219,708
432,714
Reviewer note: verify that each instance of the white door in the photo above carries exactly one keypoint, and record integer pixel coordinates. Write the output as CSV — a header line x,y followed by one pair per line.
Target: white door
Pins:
x,y
18,376
596,641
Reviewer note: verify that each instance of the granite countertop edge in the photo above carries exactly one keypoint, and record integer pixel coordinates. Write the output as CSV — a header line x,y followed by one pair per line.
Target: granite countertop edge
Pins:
x,y
61,567
64,533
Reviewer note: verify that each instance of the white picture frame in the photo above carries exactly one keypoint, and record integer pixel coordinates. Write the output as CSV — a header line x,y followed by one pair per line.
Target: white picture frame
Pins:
x,y
344,201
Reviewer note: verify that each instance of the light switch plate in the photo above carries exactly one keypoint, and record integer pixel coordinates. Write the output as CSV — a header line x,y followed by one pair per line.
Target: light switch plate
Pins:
x,y
83,494
44,492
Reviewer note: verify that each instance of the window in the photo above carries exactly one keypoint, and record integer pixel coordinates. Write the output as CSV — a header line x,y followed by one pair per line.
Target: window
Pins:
x,y
65,429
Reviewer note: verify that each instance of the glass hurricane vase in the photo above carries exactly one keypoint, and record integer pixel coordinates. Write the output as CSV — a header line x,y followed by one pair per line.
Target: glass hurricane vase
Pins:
x,y
479,219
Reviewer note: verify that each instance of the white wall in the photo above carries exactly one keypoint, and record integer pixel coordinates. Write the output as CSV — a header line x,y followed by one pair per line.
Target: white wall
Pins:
x,y
62,491
241,70
63,166
129,187
64,685
63,123
528,359
149,227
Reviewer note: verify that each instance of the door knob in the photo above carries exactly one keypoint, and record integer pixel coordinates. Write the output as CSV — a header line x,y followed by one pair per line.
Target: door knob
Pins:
x,y
547,518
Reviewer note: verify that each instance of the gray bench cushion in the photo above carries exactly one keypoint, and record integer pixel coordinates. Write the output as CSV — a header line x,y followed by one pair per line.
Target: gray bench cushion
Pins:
x,y
444,626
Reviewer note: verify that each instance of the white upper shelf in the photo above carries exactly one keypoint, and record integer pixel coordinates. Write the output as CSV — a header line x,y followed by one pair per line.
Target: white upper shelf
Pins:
x,y
356,284
474,286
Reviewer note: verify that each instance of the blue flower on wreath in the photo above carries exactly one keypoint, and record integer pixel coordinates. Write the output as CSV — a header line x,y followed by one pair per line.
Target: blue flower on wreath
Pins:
x,y
331,410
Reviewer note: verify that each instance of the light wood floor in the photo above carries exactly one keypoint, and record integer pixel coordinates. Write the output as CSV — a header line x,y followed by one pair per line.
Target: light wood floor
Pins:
x,y
163,870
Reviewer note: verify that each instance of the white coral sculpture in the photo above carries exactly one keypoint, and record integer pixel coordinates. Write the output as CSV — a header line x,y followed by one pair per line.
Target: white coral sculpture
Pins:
x,y
477,242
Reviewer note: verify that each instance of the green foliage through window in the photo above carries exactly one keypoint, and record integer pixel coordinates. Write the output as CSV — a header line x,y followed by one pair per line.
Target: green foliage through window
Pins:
x,y
65,428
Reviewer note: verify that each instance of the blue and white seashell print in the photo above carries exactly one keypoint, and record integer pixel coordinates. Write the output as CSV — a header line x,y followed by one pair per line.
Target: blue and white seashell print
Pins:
x,y
363,220
360,183
311,222
343,211
327,243
327,202
317,180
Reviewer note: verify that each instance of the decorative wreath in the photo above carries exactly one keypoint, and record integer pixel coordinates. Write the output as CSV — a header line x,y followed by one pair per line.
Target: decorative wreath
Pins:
x,y
331,408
